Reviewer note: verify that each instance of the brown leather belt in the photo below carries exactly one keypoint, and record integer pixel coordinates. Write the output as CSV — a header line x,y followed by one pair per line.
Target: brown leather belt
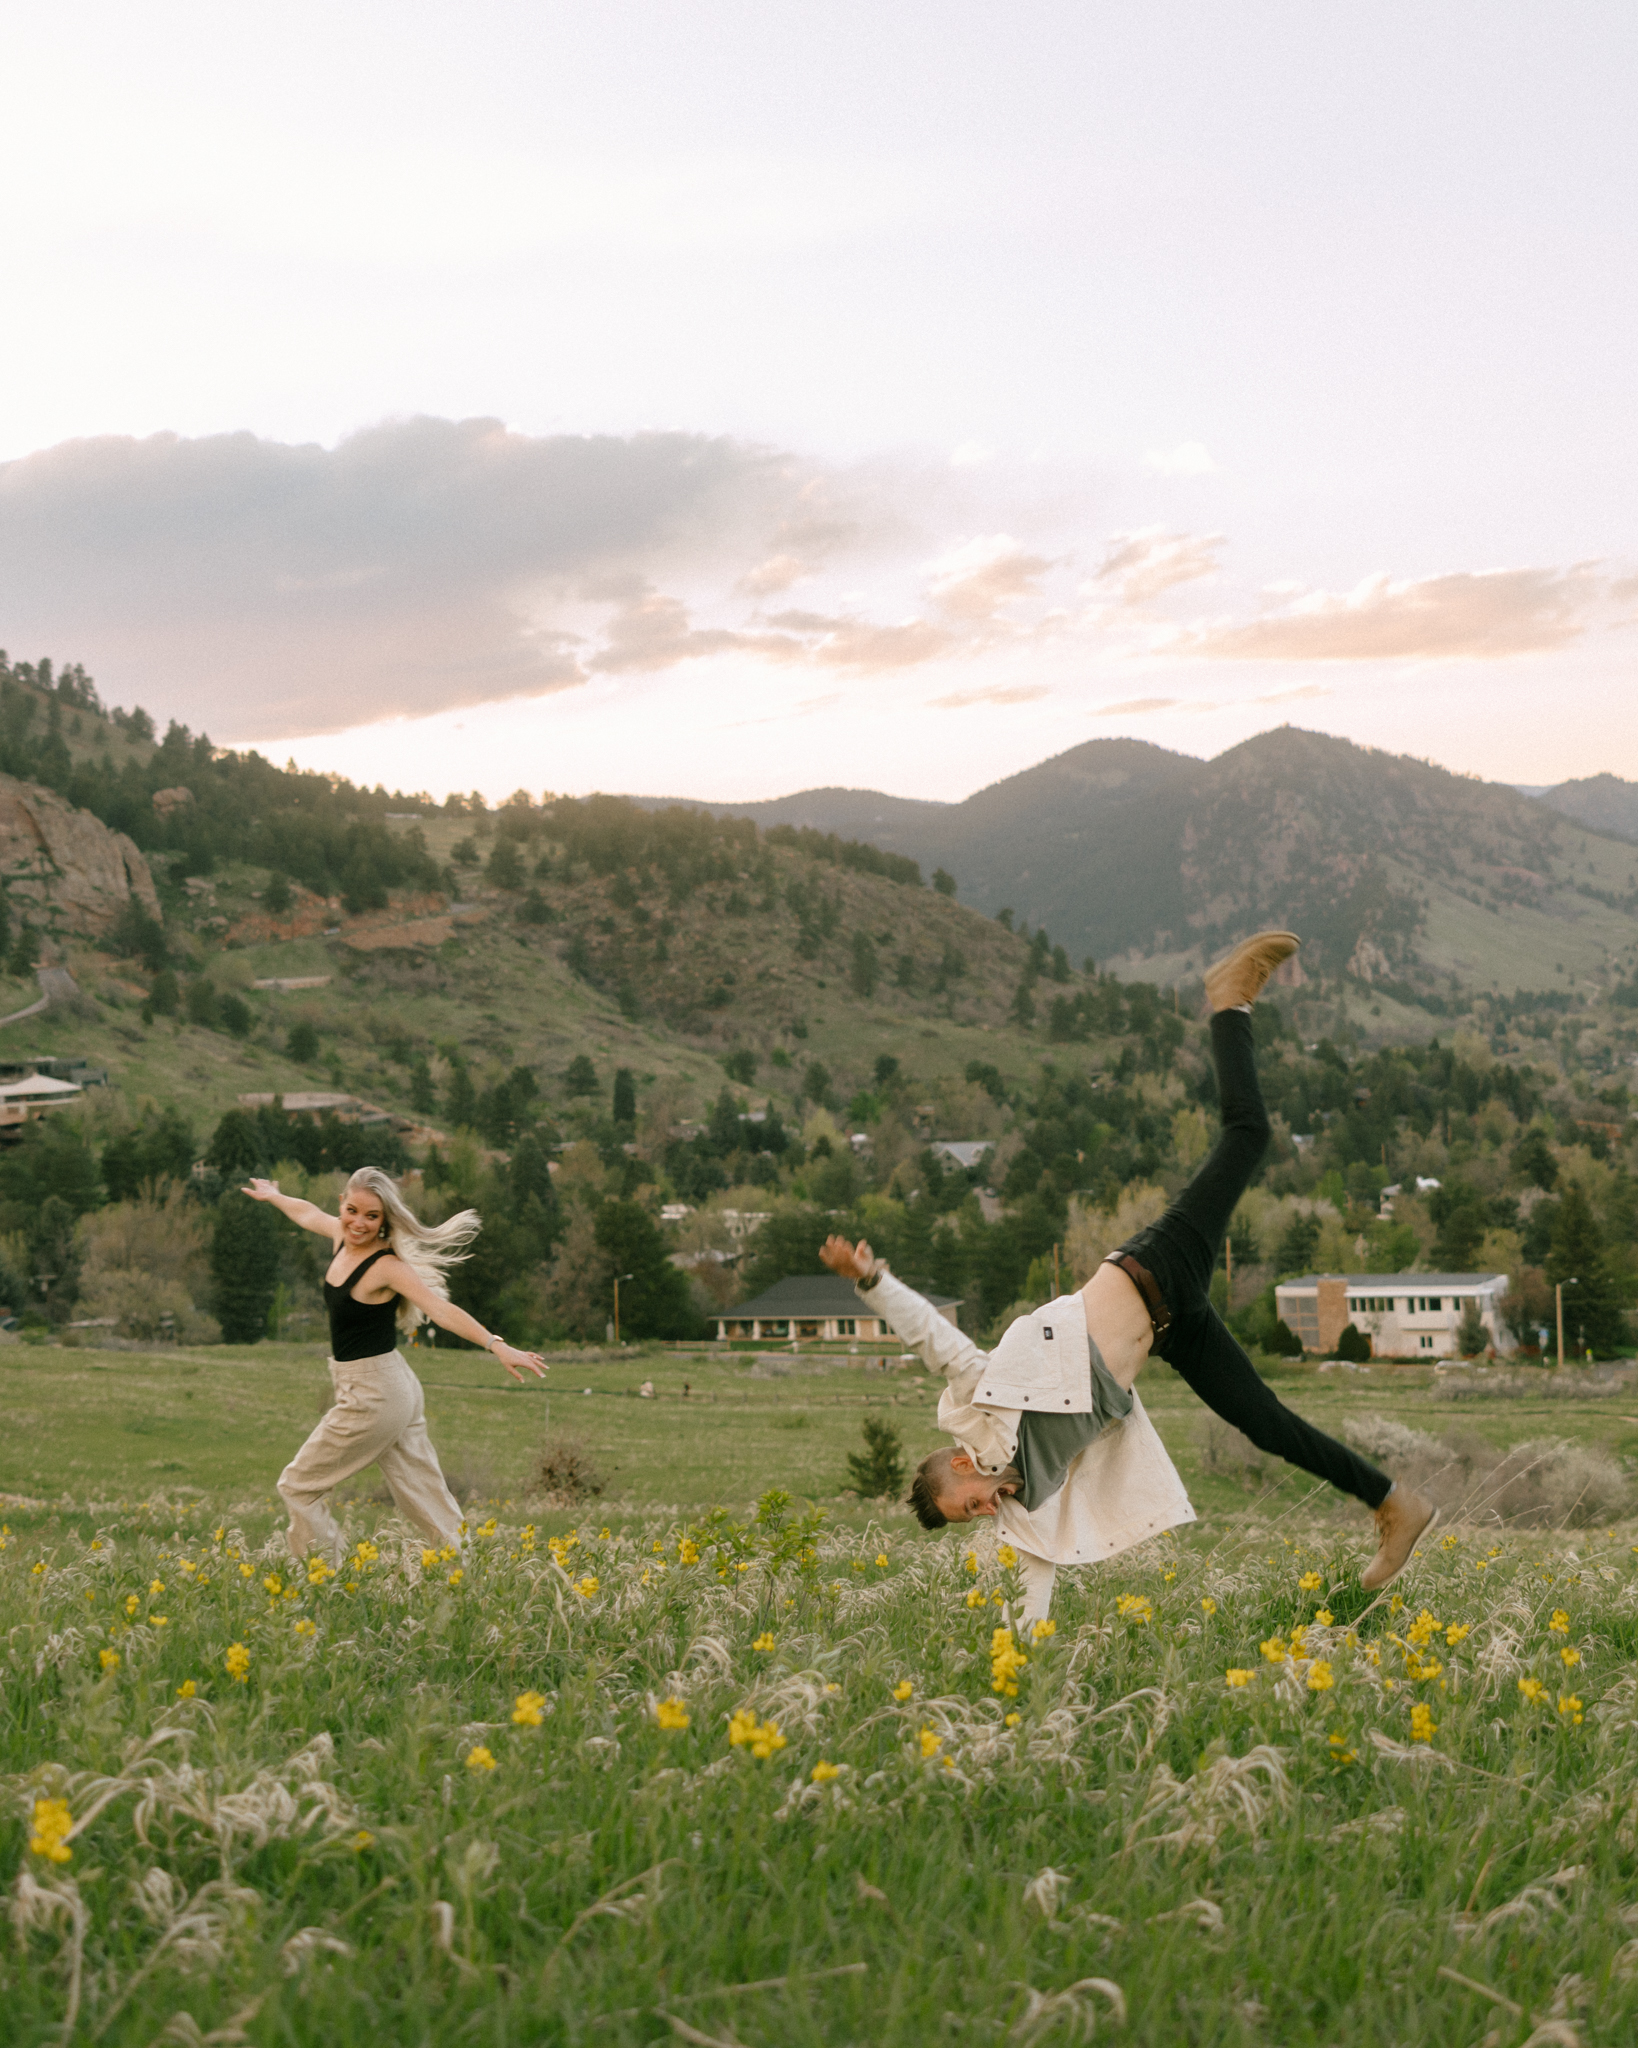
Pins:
x,y
1160,1316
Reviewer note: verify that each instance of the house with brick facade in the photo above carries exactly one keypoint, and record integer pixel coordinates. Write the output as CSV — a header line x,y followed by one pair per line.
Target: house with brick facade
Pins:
x,y
1405,1315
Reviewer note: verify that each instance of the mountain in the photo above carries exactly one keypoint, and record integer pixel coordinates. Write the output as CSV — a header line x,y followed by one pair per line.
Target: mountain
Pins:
x,y
1389,867
1604,803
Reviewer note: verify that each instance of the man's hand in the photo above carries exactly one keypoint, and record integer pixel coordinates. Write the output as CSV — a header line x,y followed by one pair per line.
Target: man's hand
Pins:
x,y
852,1261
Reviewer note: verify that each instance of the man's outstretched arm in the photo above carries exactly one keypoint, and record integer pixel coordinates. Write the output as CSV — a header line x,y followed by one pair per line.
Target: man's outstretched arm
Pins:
x,y
941,1347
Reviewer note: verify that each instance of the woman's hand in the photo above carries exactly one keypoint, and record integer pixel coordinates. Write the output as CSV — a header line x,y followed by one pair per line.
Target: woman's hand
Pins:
x,y
261,1190
511,1357
851,1261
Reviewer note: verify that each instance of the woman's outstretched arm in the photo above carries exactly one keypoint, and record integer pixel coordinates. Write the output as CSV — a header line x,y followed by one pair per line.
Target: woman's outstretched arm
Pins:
x,y
403,1279
308,1214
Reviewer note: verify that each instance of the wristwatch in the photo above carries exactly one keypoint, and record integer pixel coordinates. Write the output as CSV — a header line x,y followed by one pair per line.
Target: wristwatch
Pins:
x,y
864,1286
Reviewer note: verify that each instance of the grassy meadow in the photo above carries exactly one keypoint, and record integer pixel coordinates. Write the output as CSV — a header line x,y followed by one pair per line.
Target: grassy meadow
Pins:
x,y
663,1770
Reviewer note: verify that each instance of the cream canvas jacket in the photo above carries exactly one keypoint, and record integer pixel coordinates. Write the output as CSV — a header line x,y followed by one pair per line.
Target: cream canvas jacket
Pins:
x,y
1120,1490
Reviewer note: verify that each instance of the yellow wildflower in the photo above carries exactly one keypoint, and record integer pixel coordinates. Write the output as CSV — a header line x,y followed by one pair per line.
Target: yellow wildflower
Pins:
x,y
365,1553
428,1559
587,1587
237,1663
1276,1649
1013,1720
305,1628
159,1620
38,1571
881,1559
361,1841
132,1603
480,1759
931,1744
1236,1677
903,1689
970,1561
1533,1690
822,1772
604,1535
1341,1753
1560,1623
1423,1628
1570,1707
687,1552
529,1709
765,1641
1007,1556
455,1577
1423,1727
1322,1617
1042,1630
1310,1582
1135,1608
1208,1606
1571,1656
110,1659
49,1830
1458,1632
977,1598
671,1713
155,1588
1319,1676
186,1690
247,1571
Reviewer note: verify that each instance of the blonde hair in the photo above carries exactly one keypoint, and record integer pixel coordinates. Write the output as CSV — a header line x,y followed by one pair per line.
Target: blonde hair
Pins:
x,y
428,1249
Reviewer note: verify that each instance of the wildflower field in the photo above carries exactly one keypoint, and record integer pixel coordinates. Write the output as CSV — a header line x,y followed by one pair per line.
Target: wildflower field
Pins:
x,y
768,1778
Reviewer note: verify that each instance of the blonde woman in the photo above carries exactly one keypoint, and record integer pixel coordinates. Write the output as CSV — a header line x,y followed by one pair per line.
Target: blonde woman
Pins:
x,y
386,1274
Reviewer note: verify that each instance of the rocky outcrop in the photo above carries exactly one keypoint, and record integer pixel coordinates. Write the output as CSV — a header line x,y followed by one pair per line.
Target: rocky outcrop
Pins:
x,y
63,869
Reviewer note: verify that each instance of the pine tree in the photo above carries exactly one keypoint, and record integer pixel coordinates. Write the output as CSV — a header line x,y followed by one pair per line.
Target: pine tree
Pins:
x,y
878,1472
244,1264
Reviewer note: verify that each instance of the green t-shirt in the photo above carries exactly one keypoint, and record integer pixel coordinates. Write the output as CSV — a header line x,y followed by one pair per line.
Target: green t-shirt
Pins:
x,y
1048,1444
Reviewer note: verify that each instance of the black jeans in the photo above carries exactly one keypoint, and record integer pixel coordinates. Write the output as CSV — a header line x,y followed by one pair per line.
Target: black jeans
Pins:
x,y
1181,1252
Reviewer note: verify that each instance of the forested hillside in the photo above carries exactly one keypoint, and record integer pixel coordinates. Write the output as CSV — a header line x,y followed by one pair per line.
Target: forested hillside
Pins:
x,y
1396,870
575,1014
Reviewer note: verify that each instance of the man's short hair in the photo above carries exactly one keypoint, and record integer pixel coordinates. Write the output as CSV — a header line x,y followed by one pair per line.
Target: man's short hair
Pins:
x,y
932,1477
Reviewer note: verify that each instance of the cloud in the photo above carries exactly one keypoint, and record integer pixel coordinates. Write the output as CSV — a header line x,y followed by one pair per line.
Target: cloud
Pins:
x,y
1141,566
997,693
1134,707
979,580
1188,458
774,576
1472,615
260,589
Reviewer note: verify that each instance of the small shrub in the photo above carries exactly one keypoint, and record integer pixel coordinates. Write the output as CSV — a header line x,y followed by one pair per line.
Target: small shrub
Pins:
x,y
1353,1346
564,1473
879,1470
303,1043
1284,1342
1227,1452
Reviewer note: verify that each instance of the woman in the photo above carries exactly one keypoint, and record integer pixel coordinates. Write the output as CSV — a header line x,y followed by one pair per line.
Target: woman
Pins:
x,y
386,1274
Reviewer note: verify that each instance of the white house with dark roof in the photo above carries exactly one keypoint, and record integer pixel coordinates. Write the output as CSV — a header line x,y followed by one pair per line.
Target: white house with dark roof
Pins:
x,y
812,1305
1405,1315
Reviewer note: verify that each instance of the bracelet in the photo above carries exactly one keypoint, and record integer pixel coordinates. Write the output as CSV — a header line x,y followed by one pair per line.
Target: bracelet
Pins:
x,y
870,1279
495,1338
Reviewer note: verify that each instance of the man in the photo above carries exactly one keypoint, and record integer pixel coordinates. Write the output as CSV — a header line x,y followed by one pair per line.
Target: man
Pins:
x,y
1051,1439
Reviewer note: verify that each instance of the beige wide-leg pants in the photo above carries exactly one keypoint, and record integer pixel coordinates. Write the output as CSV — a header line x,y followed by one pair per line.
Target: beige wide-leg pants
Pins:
x,y
379,1418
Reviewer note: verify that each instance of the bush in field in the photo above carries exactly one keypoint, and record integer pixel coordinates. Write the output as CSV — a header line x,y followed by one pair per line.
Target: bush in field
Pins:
x,y
1229,1453
147,1260
878,1472
1545,1483
565,1474
1353,1346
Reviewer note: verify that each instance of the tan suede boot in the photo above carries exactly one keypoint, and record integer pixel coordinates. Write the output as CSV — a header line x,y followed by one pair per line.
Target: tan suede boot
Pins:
x,y
1239,976
1401,1522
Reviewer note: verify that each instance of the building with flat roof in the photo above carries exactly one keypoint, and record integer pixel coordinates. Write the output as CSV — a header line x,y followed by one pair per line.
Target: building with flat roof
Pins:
x,y
1405,1315
812,1305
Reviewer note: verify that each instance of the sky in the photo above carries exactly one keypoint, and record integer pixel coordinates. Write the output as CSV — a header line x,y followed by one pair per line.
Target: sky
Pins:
x,y
719,400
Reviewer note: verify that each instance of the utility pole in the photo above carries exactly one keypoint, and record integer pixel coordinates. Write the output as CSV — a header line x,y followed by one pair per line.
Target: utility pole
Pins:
x,y
1558,1293
617,1279
1056,1290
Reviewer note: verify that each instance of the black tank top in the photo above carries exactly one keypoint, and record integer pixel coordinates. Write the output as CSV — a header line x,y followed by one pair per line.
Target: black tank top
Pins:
x,y
361,1329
